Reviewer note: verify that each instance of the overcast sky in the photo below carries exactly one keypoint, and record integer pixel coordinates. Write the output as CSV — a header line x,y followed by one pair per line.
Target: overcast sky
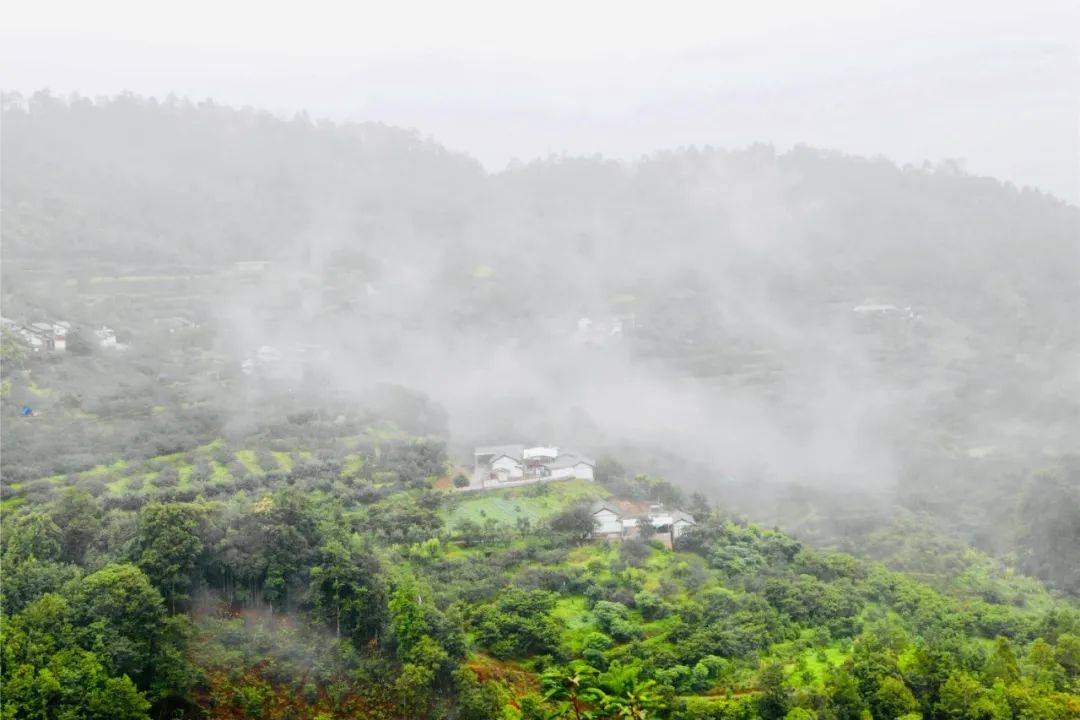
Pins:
x,y
996,84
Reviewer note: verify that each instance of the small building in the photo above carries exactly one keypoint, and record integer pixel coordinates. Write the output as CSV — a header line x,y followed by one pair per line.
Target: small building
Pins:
x,y
619,519
572,466
529,464
505,468
607,520
60,333
672,522
680,523
106,337
484,456
540,453
43,335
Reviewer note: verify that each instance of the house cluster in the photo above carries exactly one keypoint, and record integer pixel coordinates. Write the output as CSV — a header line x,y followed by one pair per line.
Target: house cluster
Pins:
x,y
41,336
618,519
510,465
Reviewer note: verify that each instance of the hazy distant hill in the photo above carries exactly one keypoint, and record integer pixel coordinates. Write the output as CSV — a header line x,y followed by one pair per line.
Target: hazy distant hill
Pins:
x,y
804,317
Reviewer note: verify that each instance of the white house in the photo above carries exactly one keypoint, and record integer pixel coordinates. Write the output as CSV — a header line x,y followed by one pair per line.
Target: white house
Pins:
x,y
521,464
43,335
60,332
611,522
506,468
607,520
572,466
540,453
106,337
680,523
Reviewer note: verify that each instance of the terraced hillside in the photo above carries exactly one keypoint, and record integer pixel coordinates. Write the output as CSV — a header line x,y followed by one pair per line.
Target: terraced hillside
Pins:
x,y
335,581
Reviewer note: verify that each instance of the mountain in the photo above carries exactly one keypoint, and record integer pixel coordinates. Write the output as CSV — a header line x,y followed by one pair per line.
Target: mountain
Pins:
x,y
229,490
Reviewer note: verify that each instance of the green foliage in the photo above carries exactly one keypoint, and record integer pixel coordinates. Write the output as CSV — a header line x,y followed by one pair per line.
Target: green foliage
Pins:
x,y
71,684
346,589
1050,530
775,698
168,547
575,523
518,623
32,535
119,615
369,605
893,699
78,515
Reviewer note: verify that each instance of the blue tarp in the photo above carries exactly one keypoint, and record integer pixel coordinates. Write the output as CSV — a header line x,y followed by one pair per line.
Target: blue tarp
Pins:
x,y
26,410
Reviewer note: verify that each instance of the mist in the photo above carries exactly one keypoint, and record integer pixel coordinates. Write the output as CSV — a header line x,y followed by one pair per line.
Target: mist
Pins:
x,y
491,362
800,317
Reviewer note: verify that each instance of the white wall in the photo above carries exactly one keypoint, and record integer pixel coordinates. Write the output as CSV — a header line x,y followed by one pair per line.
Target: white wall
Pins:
x,y
581,471
680,527
542,452
511,467
607,523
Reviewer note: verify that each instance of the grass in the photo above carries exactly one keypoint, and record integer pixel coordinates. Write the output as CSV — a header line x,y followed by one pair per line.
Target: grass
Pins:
x,y
118,485
574,613
218,472
284,460
33,388
354,463
812,665
507,505
247,459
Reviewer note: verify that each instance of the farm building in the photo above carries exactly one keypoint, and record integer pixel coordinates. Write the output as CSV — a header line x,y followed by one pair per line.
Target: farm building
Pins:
x,y
615,519
499,465
607,520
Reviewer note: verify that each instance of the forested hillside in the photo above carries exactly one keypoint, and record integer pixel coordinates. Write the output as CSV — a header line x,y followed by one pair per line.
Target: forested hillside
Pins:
x,y
346,580
232,493
801,331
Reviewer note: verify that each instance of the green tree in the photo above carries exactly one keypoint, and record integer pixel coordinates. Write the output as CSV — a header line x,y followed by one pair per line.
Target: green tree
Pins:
x,y
1002,663
475,700
32,636
73,684
892,700
408,619
1049,531
414,689
32,535
576,523
28,580
1067,653
518,624
775,699
843,692
169,547
959,693
931,665
1042,668
78,516
575,686
346,590
119,615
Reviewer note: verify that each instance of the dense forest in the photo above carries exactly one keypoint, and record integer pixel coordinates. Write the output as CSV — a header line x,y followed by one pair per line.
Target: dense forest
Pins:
x,y
349,580
858,378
